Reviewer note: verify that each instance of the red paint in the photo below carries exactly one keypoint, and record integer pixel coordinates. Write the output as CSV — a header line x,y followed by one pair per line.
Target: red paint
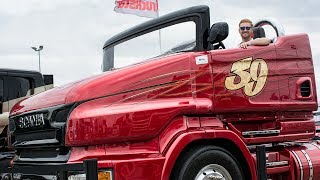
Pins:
x,y
93,123
173,130
211,123
116,151
193,122
312,150
138,119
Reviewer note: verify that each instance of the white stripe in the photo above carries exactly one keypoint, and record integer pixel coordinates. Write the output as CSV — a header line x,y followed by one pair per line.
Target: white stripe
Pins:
x,y
300,164
316,145
309,163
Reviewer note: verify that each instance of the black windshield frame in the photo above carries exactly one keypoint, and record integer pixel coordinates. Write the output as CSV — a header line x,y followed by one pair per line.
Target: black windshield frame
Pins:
x,y
200,15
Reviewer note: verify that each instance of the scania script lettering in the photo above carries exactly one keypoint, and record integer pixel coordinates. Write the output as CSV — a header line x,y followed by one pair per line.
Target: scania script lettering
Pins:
x,y
31,121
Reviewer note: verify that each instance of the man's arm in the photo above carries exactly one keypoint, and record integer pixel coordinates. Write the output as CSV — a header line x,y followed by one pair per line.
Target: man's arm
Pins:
x,y
260,42
256,42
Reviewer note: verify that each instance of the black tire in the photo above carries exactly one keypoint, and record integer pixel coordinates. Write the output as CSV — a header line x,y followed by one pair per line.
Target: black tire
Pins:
x,y
193,160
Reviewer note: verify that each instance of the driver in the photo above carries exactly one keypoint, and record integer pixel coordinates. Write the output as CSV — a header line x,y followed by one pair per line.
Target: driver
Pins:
x,y
246,33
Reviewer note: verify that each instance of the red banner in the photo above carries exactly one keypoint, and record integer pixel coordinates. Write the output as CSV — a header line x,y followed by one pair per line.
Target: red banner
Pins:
x,y
143,8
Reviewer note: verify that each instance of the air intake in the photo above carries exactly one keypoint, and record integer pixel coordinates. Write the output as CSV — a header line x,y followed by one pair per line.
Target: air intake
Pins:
x,y
305,89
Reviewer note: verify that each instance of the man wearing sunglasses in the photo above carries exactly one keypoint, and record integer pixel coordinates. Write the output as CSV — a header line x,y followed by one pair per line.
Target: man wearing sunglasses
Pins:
x,y
246,33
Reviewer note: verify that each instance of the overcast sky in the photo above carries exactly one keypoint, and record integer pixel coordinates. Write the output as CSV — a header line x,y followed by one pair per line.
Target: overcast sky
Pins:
x,y
74,31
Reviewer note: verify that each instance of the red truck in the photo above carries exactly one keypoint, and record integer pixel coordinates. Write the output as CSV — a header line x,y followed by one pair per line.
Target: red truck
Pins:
x,y
198,111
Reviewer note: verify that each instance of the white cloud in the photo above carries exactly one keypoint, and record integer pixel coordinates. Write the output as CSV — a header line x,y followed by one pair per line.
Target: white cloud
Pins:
x,y
74,31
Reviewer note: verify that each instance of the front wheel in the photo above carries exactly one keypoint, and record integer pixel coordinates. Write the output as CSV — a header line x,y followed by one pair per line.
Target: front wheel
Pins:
x,y
207,163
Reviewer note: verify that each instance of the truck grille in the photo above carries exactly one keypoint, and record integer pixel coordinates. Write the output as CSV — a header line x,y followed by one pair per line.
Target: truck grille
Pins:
x,y
41,127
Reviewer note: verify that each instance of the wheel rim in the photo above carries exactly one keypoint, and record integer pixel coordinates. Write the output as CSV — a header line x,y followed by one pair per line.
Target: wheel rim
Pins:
x,y
213,172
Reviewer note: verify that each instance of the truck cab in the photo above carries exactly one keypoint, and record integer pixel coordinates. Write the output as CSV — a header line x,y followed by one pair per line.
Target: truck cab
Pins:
x,y
16,85
197,111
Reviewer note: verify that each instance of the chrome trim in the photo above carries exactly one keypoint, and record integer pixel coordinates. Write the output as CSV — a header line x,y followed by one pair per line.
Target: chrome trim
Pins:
x,y
300,164
213,172
252,147
309,163
279,163
266,132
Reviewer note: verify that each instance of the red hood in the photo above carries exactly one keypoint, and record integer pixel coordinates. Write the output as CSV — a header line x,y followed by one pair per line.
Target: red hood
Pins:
x,y
52,97
146,74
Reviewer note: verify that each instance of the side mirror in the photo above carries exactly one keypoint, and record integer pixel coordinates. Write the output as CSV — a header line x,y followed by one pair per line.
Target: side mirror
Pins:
x,y
218,32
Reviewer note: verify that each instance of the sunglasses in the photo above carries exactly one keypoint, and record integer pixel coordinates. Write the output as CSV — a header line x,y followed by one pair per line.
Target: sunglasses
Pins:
x,y
245,28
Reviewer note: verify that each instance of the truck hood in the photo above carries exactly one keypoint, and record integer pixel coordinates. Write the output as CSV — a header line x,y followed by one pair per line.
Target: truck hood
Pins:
x,y
131,78
52,97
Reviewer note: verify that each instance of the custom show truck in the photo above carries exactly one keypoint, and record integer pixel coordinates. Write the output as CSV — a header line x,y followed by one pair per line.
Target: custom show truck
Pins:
x,y
198,111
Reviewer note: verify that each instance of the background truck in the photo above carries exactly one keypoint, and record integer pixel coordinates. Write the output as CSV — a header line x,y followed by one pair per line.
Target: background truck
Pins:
x,y
16,85
198,111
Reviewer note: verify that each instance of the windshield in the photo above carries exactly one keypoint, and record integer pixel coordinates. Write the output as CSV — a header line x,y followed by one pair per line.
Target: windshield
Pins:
x,y
172,39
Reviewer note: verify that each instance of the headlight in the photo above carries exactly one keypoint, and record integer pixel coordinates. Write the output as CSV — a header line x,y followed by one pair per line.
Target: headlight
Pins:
x,y
102,175
105,175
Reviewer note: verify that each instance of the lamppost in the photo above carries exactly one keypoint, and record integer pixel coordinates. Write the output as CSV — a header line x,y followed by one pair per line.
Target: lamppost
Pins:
x,y
39,49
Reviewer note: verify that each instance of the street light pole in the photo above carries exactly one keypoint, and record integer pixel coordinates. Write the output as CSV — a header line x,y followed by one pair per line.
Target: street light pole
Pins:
x,y
39,61
38,50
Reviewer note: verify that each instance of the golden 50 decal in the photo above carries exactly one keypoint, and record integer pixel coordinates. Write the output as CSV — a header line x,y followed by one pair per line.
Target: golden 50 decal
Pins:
x,y
252,74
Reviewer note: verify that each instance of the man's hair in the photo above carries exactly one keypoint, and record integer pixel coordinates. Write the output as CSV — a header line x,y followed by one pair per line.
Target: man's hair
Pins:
x,y
245,21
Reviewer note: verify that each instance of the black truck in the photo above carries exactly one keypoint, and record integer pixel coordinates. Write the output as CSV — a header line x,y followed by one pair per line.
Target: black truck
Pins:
x,y
16,85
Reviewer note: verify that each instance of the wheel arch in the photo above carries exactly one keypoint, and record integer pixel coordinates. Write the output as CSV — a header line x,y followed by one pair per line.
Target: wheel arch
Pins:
x,y
221,138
